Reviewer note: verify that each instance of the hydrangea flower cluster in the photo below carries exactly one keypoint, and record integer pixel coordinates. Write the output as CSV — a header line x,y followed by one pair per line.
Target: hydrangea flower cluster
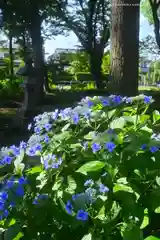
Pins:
x,y
43,128
50,161
93,190
12,187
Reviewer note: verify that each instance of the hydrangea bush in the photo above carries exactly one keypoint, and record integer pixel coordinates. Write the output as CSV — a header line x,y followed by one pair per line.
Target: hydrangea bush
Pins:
x,y
91,172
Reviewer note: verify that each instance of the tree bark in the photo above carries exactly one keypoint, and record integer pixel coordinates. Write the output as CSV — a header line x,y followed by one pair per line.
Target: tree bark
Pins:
x,y
155,6
46,81
95,68
125,47
37,46
11,55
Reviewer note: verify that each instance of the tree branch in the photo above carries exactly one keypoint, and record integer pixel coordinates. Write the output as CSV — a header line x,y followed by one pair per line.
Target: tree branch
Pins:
x,y
156,21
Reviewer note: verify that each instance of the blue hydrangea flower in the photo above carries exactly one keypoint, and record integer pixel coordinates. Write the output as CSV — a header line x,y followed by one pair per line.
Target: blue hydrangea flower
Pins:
x,y
144,147
117,99
103,188
64,114
7,160
82,215
46,139
76,118
5,213
22,180
89,182
110,131
38,147
95,147
12,204
87,114
56,164
39,198
20,191
47,126
2,205
75,196
50,161
128,100
69,207
110,146
15,150
38,118
154,149
147,99
37,130
23,145
10,182
90,195
54,115
90,103
105,102
85,145
3,196
31,151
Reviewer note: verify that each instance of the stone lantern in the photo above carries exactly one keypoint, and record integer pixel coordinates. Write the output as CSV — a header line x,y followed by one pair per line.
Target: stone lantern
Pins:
x,y
28,72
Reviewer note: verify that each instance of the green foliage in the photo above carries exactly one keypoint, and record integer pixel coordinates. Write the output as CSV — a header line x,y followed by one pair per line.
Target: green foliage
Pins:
x,y
79,63
147,11
106,62
87,173
11,90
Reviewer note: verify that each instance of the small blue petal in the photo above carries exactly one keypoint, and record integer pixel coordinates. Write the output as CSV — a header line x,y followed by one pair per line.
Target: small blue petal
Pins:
x,y
82,215
69,208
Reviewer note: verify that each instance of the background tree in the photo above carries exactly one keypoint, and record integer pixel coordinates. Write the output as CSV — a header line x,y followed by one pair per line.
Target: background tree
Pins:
x,y
151,10
148,47
90,21
31,14
125,46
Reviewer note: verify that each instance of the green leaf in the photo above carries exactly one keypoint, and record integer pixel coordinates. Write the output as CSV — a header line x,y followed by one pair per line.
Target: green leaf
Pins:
x,y
57,184
118,123
90,135
34,170
19,236
133,234
152,238
92,166
13,233
158,180
156,116
87,237
145,222
66,127
62,136
71,185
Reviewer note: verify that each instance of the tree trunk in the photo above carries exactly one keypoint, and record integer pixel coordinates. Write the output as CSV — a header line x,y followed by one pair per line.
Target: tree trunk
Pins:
x,y
125,47
95,68
37,56
11,55
46,81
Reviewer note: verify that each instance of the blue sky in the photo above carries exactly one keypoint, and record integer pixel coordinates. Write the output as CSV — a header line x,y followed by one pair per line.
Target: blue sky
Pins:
x,y
71,41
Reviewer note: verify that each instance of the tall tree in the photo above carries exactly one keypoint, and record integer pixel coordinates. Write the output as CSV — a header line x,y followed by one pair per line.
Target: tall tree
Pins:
x,y
31,14
90,21
124,46
151,10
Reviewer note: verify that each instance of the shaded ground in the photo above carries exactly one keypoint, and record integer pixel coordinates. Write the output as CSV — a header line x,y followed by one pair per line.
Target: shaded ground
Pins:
x,y
58,99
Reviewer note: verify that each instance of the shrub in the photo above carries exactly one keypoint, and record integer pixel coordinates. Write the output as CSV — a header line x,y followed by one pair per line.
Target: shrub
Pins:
x,y
89,172
10,90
